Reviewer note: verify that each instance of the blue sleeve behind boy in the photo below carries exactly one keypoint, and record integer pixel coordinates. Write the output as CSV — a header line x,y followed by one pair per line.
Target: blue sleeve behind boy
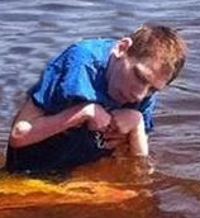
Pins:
x,y
147,108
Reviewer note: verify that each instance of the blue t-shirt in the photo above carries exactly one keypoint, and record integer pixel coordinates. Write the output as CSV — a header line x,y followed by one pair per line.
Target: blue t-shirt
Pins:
x,y
79,75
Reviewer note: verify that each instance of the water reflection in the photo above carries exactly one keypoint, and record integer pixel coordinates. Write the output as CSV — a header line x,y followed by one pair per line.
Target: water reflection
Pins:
x,y
84,193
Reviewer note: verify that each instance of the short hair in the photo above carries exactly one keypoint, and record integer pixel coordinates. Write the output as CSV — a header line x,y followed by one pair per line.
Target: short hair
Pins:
x,y
159,42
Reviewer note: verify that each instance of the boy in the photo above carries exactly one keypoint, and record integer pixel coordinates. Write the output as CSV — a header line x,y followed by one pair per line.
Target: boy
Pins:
x,y
93,98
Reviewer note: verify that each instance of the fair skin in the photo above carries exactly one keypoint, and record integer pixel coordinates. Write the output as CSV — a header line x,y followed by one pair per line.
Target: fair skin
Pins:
x,y
43,126
128,81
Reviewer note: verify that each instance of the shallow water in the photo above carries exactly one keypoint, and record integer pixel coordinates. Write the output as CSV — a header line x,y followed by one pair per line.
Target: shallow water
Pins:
x,y
32,32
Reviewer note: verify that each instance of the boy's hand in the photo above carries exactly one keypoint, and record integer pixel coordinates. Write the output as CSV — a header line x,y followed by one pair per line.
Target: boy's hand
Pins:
x,y
114,138
98,118
122,123
125,120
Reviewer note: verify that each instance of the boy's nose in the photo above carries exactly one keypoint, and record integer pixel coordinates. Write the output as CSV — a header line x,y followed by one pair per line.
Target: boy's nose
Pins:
x,y
140,94
139,97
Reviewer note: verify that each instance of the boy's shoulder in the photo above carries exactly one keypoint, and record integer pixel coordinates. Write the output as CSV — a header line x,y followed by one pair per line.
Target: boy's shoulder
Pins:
x,y
97,48
94,42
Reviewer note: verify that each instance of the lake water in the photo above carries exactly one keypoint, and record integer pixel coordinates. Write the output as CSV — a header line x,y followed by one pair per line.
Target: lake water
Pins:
x,y
32,32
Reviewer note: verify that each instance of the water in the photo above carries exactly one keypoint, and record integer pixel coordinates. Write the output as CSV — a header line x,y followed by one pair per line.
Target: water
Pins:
x,y
32,32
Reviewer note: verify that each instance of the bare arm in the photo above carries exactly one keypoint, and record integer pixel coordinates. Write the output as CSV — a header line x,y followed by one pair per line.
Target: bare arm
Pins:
x,y
32,126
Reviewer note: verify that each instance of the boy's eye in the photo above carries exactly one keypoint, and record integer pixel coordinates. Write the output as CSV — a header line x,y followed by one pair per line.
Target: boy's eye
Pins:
x,y
139,75
144,81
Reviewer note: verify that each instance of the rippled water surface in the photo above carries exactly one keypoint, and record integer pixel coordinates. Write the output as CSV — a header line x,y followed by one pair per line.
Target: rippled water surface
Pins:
x,y
32,32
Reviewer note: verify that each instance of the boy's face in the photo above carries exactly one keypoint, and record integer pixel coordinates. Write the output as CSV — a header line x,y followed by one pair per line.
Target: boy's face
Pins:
x,y
132,80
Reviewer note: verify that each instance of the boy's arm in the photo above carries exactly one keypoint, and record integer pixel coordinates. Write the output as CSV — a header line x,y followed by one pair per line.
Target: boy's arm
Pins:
x,y
128,126
138,140
32,125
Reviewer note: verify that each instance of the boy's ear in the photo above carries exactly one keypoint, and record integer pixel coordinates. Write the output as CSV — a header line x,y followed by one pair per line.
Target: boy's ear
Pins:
x,y
122,46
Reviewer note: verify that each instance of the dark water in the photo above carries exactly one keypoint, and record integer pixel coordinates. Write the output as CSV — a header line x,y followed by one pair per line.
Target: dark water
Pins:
x,y
31,32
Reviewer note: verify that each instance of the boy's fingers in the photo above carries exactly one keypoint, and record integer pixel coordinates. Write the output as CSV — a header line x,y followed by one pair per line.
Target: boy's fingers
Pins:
x,y
114,143
111,135
113,125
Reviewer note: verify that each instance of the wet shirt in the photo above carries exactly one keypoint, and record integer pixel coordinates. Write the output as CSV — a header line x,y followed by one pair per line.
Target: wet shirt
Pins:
x,y
79,75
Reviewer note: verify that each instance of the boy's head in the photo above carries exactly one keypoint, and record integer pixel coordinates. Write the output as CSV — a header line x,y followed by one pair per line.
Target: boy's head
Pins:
x,y
161,43
144,62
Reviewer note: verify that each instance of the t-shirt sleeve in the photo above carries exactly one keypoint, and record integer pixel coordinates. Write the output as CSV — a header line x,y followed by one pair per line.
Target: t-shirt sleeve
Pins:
x,y
67,79
147,107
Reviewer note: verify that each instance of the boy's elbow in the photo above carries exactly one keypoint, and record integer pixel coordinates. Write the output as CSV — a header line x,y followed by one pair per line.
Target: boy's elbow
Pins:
x,y
14,142
19,134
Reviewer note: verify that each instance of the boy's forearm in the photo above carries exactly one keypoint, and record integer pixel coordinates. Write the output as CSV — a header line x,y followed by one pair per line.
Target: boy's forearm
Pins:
x,y
138,140
44,127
